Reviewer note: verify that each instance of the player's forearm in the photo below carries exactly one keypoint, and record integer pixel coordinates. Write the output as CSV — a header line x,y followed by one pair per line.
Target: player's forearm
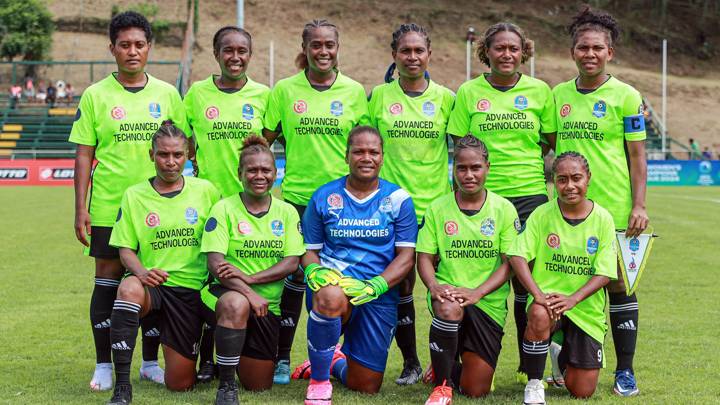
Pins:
x,y
426,269
83,167
399,268
278,271
269,135
131,262
499,277
591,287
310,257
552,141
522,271
638,173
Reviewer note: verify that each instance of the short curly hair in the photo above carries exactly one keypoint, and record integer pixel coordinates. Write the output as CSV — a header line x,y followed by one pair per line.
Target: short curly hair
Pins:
x,y
129,19
528,46
591,20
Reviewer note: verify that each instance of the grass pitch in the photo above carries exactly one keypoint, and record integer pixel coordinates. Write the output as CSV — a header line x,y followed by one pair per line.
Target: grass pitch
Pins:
x,y
47,356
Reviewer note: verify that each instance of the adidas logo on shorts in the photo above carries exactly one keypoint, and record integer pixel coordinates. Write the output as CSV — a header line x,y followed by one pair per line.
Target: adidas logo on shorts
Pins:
x,y
102,325
434,347
120,346
627,325
405,321
287,322
154,332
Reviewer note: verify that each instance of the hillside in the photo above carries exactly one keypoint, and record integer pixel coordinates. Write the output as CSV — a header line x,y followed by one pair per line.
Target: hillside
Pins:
x,y
366,27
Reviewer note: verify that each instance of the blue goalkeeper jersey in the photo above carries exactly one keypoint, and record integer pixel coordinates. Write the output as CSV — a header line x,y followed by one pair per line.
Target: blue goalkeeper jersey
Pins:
x,y
358,237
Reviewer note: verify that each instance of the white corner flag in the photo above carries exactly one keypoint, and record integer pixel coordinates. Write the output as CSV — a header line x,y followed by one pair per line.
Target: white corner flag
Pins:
x,y
632,256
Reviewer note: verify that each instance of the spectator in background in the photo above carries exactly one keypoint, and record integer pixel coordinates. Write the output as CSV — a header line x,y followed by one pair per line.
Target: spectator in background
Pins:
x,y
41,95
69,93
15,94
29,89
51,95
694,150
60,86
707,155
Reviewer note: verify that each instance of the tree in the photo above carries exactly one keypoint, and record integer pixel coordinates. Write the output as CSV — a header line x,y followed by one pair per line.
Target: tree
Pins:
x,y
26,29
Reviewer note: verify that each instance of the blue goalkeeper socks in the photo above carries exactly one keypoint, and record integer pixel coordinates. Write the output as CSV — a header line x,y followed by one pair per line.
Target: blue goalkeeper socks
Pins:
x,y
323,334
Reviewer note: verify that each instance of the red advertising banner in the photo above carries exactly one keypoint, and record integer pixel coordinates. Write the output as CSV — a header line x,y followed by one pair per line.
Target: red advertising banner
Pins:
x,y
40,172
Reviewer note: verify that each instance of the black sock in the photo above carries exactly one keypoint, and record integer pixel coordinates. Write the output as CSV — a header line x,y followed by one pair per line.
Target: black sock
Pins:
x,y
150,336
624,316
520,311
290,308
405,331
101,305
534,354
125,323
207,344
443,347
229,344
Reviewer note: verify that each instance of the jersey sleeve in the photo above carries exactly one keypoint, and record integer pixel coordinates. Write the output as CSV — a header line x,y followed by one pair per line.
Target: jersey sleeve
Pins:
x,y
633,118
525,244
427,235
548,124
373,110
459,123
273,115
123,233
510,229
216,236
213,193
406,229
361,108
606,257
188,103
293,238
83,129
177,113
312,225
448,103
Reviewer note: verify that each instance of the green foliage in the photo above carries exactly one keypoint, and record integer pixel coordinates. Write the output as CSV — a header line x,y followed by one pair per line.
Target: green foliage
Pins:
x,y
26,29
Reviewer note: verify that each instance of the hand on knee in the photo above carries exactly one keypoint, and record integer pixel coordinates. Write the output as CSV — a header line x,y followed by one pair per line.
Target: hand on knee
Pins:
x,y
330,301
539,323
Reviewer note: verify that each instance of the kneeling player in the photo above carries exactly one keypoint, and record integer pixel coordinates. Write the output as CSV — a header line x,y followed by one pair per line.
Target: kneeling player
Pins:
x,y
253,242
470,230
572,240
364,227
158,231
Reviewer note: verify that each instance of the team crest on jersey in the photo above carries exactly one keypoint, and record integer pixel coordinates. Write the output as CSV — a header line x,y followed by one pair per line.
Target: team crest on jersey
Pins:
x,y
483,105
212,112
385,205
336,108
428,108
592,245
335,201
191,215
244,228
599,109
211,224
518,226
154,109
152,220
300,106
487,227
565,110
117,113
521,102
451,228
277,228
396,109
553,240
248,112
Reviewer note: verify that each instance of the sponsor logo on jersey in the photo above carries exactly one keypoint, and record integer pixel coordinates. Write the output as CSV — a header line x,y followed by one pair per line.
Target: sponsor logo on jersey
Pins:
x,y
521,102
152,220
592,245
386,205
212,112
78,114
483,105
565,110
428,108
154,109
487,227
277,228
634,244
396,109
599,109
553,240
336,108
191,215
244,228
451,228
335,201
117,113
56,174
248,112
211,224
518,225
300,106
13,173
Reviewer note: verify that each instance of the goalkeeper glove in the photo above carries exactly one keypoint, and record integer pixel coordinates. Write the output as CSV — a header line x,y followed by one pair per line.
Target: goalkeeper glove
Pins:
x,y
363,291
318,276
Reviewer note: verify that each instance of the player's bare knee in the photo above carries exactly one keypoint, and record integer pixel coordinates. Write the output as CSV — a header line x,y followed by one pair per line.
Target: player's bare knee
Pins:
x,y
581,391
131,289
365,386
180,384
539,322
232,308
448,310
109,268
329,300
477,390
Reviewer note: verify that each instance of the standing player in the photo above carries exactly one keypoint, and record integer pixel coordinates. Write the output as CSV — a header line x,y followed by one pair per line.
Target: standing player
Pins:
x,y
253,242
313,111
222,111
115,120
158,231
365,227
512,114
411,115
572,241
469,231
602,118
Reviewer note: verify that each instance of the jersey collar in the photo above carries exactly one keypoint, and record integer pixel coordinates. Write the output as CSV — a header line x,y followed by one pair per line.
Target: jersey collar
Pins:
x,y
120,85
610,77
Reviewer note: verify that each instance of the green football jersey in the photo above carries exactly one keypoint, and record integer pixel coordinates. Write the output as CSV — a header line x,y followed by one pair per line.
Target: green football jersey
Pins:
x,y
597,125
469,247
315,125
166,232
221,121
415,145
567,257
255,244
510,123
120,125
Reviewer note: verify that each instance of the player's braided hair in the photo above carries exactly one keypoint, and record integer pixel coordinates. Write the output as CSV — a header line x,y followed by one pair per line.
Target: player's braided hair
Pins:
x,y
399,33
362,129
301,59
485,42
129,19
591,20
253,145
471,142
225,30
571,155
168,130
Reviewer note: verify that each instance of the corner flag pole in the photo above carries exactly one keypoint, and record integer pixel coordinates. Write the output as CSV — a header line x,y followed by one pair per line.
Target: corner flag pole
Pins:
x,y
240,13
